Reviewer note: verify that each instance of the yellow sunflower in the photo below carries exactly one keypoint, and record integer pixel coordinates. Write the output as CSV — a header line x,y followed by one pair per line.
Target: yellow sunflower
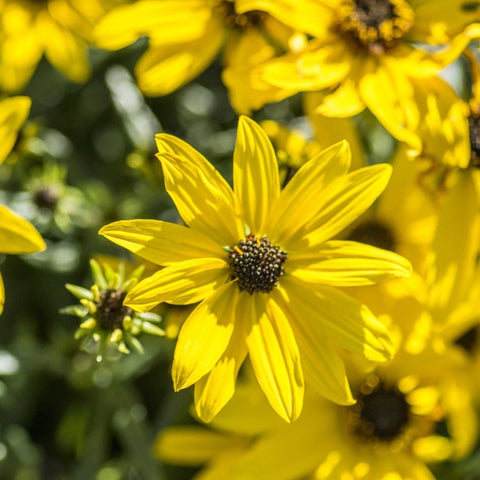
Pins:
x,y
362,53
185,36
16,234
260,263
392,432
58,29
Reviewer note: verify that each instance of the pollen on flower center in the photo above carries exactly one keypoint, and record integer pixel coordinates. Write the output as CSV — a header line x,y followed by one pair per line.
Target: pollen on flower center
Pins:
x,y
375,25
474,127
110,310
381,413
256,264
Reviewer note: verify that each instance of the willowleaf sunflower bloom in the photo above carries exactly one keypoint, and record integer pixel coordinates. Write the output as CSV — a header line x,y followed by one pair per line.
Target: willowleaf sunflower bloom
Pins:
x,y
58,29
363,53
260,262
16,234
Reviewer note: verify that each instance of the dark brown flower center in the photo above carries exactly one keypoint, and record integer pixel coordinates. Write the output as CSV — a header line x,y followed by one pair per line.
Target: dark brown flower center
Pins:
x,y
226,10
468,340
375,25
374,233
474,127
472,6
110,310
46,198
256,264
381,414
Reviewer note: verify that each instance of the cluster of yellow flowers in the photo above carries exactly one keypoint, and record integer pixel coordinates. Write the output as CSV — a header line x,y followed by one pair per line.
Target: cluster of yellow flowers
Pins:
x,y
337,304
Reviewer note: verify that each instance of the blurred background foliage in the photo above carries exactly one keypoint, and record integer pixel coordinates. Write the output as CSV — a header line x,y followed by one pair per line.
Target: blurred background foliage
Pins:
x,y
85,158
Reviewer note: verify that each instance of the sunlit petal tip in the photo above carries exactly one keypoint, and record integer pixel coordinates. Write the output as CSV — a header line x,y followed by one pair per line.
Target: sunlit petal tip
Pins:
x,y
180,378
166,156
106,229
404,268
41,245
385,171
344,150
133,301
163,139
22,106
205,413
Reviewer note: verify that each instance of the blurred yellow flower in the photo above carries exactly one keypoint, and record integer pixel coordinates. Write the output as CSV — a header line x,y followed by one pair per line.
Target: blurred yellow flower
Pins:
x,y
390,432
185,36
16,234
393,431
58,29
13,113
260,262
362,53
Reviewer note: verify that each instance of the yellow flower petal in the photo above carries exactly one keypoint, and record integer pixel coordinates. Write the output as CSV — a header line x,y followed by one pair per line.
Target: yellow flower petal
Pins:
x,y
182,283
166,67
440,20
346,264
248,413
275,357
65,51
245,51
204,337
454,249
345,101
255,175
343,319
330,130
191,445
291,453
309,16
297,203
13,113
17,235
215,389
344,202
168,21
323,368
434,448
389,94
317,67
443,124
20,51
203,198
160,242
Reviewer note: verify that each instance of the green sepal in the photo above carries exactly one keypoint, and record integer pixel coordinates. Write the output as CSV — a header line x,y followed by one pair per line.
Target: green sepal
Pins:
x,y
79,292
97,275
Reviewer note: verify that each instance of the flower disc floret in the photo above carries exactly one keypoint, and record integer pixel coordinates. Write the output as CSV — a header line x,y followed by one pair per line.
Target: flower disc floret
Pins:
x,y
375,24
381,414
257,264
110,309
